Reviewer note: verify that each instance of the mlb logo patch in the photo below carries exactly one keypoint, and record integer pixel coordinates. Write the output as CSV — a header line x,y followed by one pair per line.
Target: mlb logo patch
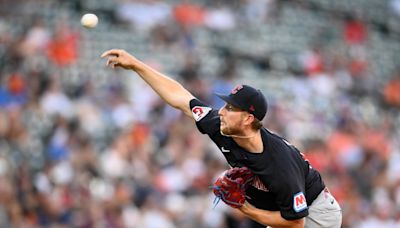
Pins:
x,y
299,202
199,112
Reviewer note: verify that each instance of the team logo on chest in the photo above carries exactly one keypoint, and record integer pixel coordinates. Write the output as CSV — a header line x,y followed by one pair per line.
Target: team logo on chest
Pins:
x,y
258,184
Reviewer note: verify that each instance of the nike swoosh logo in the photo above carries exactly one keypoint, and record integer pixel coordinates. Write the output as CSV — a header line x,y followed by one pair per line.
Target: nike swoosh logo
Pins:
x,y
225,150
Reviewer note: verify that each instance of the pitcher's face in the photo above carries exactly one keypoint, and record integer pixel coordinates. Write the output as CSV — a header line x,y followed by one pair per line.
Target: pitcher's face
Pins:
x,y
231,120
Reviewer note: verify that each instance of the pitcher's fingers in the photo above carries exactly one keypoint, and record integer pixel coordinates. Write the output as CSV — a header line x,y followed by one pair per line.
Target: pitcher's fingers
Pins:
x,y
110,63
113,52
112,60
115,65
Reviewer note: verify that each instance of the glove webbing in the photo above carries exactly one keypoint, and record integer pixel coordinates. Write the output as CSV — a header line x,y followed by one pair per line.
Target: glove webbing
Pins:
x,y
222,196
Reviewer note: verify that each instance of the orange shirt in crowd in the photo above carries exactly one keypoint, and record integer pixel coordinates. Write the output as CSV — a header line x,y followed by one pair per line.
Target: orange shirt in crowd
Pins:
x,y
16,84
376,140
392,92
63,49
341,142
189,14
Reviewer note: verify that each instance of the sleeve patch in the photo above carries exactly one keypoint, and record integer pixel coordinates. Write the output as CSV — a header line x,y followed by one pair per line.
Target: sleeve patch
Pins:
x,y
199,112
299,202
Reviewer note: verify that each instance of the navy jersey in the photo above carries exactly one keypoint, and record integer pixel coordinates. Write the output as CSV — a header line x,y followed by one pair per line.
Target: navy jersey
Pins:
x,y
284,181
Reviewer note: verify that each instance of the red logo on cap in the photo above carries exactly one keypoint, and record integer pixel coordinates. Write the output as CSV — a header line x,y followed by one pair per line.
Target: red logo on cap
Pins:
x,y
236,89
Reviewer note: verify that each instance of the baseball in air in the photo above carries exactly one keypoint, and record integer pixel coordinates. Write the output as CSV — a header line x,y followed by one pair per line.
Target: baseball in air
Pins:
x,y
89,20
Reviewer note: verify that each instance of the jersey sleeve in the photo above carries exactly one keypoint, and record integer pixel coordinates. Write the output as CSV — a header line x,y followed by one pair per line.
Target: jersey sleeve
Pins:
x,y
289,189
207,119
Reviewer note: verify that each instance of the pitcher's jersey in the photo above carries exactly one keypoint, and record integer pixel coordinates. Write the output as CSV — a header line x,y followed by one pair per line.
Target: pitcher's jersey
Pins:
x,y
284,181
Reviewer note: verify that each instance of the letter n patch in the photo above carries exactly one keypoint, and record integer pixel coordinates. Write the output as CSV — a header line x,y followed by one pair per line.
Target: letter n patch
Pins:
x,y
299,202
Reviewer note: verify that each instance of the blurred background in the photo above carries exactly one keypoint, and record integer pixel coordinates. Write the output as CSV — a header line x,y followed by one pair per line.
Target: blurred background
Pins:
x,y
82,145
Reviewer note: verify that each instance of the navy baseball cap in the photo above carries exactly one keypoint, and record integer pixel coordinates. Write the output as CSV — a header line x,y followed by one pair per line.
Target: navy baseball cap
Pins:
x,y
248,99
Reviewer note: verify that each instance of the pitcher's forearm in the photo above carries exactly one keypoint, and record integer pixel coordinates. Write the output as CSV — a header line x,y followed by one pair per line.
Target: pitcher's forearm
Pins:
x,y
171,91
168,89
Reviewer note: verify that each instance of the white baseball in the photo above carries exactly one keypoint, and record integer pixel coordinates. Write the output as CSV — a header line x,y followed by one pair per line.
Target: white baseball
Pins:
x,y
89,20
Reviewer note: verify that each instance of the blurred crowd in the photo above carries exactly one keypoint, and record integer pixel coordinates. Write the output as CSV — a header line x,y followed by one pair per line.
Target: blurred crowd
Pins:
x,y
115,155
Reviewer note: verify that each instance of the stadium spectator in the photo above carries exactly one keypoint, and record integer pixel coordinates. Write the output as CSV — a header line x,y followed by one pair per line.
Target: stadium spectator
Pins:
x,y
188,13
63,47
355,31
391,91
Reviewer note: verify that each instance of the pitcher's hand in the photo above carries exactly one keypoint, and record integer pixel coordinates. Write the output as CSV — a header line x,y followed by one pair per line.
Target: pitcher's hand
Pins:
x,y
121,58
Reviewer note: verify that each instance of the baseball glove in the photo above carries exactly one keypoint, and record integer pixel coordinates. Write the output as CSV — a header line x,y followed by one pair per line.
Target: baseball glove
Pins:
x,y
231,186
